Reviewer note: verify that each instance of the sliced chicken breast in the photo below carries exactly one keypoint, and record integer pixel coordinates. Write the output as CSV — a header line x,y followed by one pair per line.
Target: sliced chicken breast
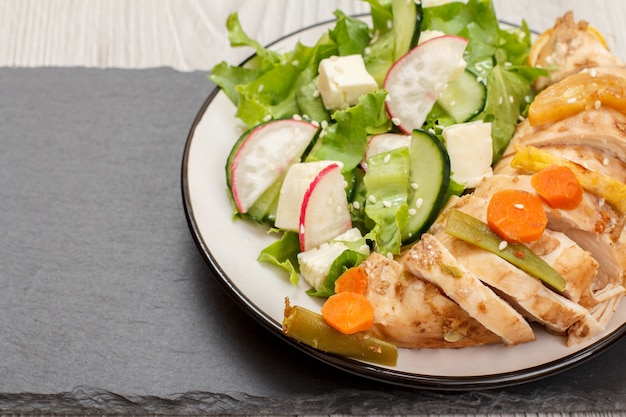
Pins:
x,y
524,292
570,47
603,129
429,259
413,313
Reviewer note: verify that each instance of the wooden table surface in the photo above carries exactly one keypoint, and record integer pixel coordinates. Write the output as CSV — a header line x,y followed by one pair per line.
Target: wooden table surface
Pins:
x,y
190,35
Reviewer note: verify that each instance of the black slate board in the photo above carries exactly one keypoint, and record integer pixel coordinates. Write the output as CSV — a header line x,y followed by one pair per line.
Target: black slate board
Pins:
x,y
107,305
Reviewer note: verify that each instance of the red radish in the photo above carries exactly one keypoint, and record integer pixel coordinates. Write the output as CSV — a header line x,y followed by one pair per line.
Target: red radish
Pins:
x,y
384,142
415,81
264,155
325,213
297,180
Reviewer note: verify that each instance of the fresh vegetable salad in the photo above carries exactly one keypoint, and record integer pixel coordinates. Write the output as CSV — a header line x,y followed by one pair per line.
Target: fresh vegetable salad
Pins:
x,y
390,142
354,144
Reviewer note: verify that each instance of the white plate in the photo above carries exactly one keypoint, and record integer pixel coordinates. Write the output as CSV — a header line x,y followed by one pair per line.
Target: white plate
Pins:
x,y
231,248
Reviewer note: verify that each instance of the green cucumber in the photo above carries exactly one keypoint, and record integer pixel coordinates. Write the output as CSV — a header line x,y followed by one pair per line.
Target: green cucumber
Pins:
x,y
464,97
264,208
429,179
407,25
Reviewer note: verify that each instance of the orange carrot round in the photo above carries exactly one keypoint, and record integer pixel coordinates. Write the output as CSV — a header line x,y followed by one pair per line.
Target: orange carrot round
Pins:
x,y
559,186
353,280
516,216
348,312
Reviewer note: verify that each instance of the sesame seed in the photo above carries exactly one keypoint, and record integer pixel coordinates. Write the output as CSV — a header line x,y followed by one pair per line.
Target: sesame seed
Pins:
x,y
389,24
387,158
593,72
295,62
260,88
387,204
415,185
395,121
297,117
479,79
371,199
267,118
356,205
419,202
503,245
572,100
315,123
511,99
324,124
597,104
316,93
527,99
518,206
500,100
605,161
390,256
387,98
412,211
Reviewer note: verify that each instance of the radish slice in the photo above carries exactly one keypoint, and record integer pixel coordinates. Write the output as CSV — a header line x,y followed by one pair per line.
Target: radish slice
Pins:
x,y
384,142
264,156
415,81
297,181
325,213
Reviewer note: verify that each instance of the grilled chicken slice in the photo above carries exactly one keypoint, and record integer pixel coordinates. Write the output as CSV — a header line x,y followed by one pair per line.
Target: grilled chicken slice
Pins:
x,y
603,129
611,257
586,156
588,216
563,252
524,292
570,47
413,313
430,260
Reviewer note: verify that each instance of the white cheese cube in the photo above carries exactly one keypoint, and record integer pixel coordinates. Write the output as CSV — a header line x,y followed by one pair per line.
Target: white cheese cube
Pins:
x,y
315,263
470,148
342,80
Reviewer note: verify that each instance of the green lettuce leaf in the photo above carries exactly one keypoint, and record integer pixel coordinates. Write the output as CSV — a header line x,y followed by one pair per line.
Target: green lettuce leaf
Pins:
x,y
346,140
284,254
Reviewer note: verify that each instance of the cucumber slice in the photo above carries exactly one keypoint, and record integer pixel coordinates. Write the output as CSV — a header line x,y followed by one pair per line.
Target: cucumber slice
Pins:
x,y
264,208
407,25
464,97
429,179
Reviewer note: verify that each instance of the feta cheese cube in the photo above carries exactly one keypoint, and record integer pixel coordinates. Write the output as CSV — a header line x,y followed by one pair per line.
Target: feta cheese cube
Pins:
x,y
342,80
470,149
315,263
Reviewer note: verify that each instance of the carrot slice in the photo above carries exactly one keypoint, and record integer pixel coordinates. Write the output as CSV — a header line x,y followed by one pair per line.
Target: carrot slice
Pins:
x,y
353,280
348,312
516,216
559,186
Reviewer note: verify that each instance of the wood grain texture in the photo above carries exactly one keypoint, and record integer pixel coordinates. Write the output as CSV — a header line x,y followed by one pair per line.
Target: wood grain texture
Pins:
x,y
190,35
